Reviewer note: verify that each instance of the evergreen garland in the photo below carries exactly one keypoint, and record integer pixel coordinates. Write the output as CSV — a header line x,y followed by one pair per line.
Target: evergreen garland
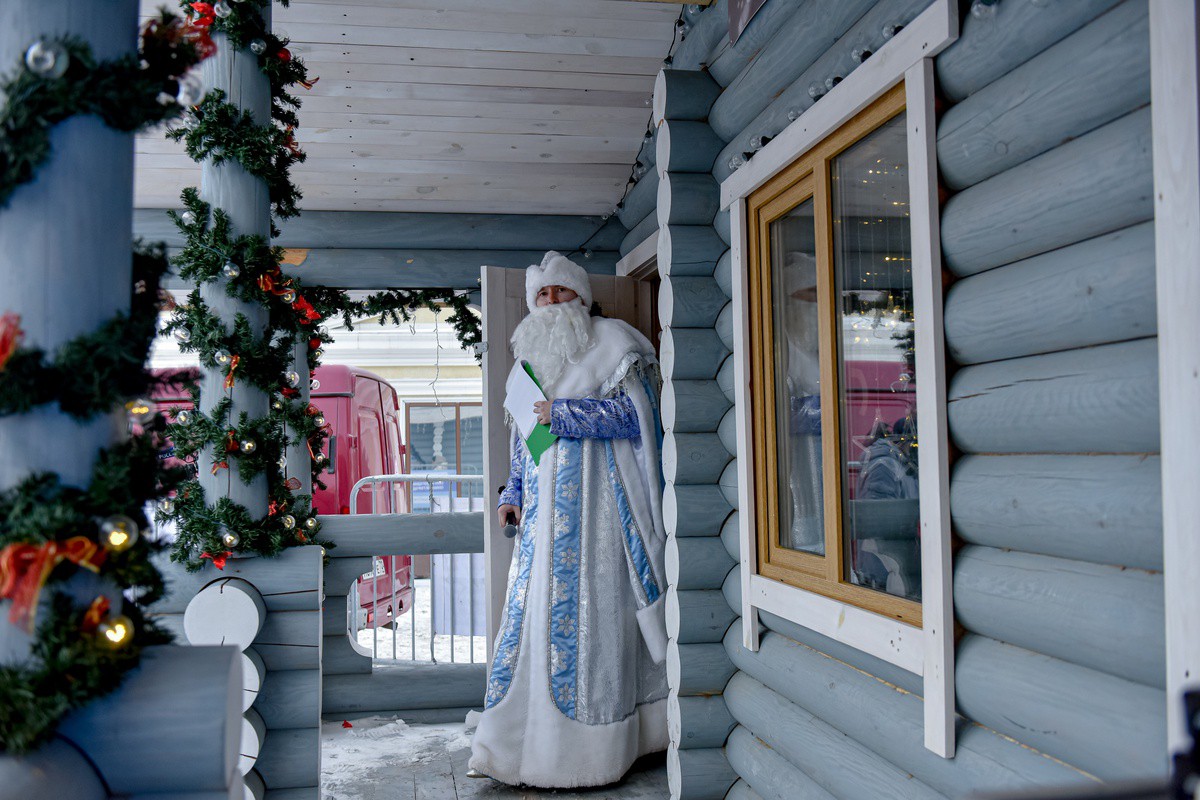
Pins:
x,y
93,372
127,93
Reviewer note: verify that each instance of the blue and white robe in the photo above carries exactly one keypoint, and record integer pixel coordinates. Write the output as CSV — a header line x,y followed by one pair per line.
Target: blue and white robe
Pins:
x,y
577,687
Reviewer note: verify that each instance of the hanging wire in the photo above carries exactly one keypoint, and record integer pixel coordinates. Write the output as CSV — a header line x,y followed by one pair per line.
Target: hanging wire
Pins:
x,y
676,38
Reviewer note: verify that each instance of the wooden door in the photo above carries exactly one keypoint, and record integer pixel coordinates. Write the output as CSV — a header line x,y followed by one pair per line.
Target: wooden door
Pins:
x,y
503,303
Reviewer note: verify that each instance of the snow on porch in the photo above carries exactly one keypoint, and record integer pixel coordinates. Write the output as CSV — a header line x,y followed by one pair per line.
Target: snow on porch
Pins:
x,y
385,757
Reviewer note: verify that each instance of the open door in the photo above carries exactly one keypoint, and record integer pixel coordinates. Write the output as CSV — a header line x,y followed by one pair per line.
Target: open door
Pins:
x,y
503,304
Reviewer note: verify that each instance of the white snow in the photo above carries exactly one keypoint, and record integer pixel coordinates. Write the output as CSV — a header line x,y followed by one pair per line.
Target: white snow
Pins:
x,y
354,758
387,644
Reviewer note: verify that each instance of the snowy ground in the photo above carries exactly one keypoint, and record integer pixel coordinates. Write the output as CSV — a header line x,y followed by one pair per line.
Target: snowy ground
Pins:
x,y
381,641
384,757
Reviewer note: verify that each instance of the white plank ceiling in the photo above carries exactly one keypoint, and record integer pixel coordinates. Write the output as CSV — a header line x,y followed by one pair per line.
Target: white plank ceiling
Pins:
x,y
489,106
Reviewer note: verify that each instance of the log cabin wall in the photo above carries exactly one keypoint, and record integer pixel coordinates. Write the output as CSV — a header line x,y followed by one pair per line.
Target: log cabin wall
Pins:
x,y
1044,149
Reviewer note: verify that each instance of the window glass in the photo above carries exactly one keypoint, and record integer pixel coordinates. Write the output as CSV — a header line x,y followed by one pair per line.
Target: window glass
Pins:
x,y
872,268
798,380
432,447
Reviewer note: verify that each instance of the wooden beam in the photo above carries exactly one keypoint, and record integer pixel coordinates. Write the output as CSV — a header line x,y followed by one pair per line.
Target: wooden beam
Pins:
x,y
415,269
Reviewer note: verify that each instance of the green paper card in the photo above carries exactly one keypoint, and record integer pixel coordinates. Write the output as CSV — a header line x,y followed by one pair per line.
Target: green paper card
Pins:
x,y
540,438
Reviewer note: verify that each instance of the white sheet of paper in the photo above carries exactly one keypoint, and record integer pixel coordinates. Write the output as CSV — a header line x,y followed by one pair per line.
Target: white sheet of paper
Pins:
x,y
520,394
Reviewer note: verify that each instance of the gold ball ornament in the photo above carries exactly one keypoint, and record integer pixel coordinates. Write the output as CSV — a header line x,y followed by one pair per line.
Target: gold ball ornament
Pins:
x,y
118,533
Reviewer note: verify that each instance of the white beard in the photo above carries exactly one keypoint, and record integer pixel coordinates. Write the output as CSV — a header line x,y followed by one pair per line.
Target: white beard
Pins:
x,y
551,337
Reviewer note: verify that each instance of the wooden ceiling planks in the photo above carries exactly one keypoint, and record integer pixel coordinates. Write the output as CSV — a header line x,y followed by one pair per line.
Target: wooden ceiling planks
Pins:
x,y
489,106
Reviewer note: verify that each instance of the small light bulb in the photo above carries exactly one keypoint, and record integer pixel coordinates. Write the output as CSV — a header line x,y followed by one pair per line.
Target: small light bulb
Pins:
x,y
222,357
230,540
292,378
116,631
319,420
288,296
183,417
288,521
311,523
247,446
118,532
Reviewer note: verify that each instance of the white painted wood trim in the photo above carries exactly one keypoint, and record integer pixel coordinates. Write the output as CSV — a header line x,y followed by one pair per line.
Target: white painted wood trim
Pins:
x,y
747,534
1174,86
887,639
924,37
642,261
937,606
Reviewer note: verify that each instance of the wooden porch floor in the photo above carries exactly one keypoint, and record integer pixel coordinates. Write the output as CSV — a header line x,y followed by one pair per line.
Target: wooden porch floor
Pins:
x,y
386,759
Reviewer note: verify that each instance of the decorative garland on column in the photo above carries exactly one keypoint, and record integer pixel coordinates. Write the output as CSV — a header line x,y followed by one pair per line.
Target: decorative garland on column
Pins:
x,y
249,269
82,645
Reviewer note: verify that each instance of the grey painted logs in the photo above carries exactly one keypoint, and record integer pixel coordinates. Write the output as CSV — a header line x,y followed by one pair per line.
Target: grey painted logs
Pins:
x,y
698,669
994,45
289,759
1103,509
695,510
731,58
691,353
686,198
742,791
698,774
693,458
812,29
730,534
47,771
688,250
639,201
285,586
687,301
639,233
710,28
697,563
769,774
727,430
729,483
683,94
1113,728
181,705
724,325
723,273
1090,186
413,685
290,699
1093,76
64,256
890,722
698,615
1096,400
1098,291
837,763
415,534
835,62
725,380
847,654
686,146
690,406
721,225
1099,616
703,722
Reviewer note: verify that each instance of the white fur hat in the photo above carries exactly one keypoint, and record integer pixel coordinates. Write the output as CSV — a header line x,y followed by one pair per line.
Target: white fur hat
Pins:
x,y
557,270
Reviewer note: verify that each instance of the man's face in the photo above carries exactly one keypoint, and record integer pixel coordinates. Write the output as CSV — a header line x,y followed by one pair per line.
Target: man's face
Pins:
x,y
553,295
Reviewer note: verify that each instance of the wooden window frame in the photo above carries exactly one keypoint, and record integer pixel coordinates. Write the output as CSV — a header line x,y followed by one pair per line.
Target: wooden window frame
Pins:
x,y
809,177
904,65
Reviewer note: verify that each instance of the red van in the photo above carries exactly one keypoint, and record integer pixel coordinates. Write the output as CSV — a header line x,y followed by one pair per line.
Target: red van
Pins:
x,y
363,414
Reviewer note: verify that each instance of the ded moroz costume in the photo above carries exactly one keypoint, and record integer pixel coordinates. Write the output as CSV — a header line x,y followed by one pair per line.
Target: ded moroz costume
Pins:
x,y
577,688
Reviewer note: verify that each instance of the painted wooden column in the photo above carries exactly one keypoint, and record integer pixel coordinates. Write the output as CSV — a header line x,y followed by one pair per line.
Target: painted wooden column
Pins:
x,y
65,257
1175,89
245,199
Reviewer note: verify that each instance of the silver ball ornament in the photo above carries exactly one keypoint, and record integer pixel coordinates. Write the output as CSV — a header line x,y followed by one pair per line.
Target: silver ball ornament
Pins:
x,y
292,378
314,384
166,505
222,9
319,420
231,270
183,335
191,90
183,417
222,357
277,405
288,296
288,521
247,446
311,523
188,218
258,47
47,59
282,462
230,539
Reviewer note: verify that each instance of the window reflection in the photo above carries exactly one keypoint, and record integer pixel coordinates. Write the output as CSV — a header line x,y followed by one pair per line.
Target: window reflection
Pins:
x,y
798,380
876,370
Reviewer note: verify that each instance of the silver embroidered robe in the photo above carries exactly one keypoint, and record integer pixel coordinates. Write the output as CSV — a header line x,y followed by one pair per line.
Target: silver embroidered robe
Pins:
x,y
577,687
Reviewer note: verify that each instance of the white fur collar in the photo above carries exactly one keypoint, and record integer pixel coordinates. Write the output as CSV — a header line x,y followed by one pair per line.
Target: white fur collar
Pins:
x,y
617,347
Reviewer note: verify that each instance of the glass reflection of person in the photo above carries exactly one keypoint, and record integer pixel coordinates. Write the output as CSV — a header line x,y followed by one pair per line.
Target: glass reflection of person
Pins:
x,y
803,375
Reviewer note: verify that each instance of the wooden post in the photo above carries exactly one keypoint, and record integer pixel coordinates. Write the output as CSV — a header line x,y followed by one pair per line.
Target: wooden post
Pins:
x,y
1174,87
245,199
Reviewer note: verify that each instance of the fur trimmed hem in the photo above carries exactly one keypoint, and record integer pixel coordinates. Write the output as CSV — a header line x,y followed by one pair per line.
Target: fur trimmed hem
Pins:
x,y
593,761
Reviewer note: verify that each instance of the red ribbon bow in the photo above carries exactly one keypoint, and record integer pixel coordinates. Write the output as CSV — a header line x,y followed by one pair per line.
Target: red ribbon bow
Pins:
x,y
205,15
96,613
305,309
233,364
219,559
24,569
10,336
